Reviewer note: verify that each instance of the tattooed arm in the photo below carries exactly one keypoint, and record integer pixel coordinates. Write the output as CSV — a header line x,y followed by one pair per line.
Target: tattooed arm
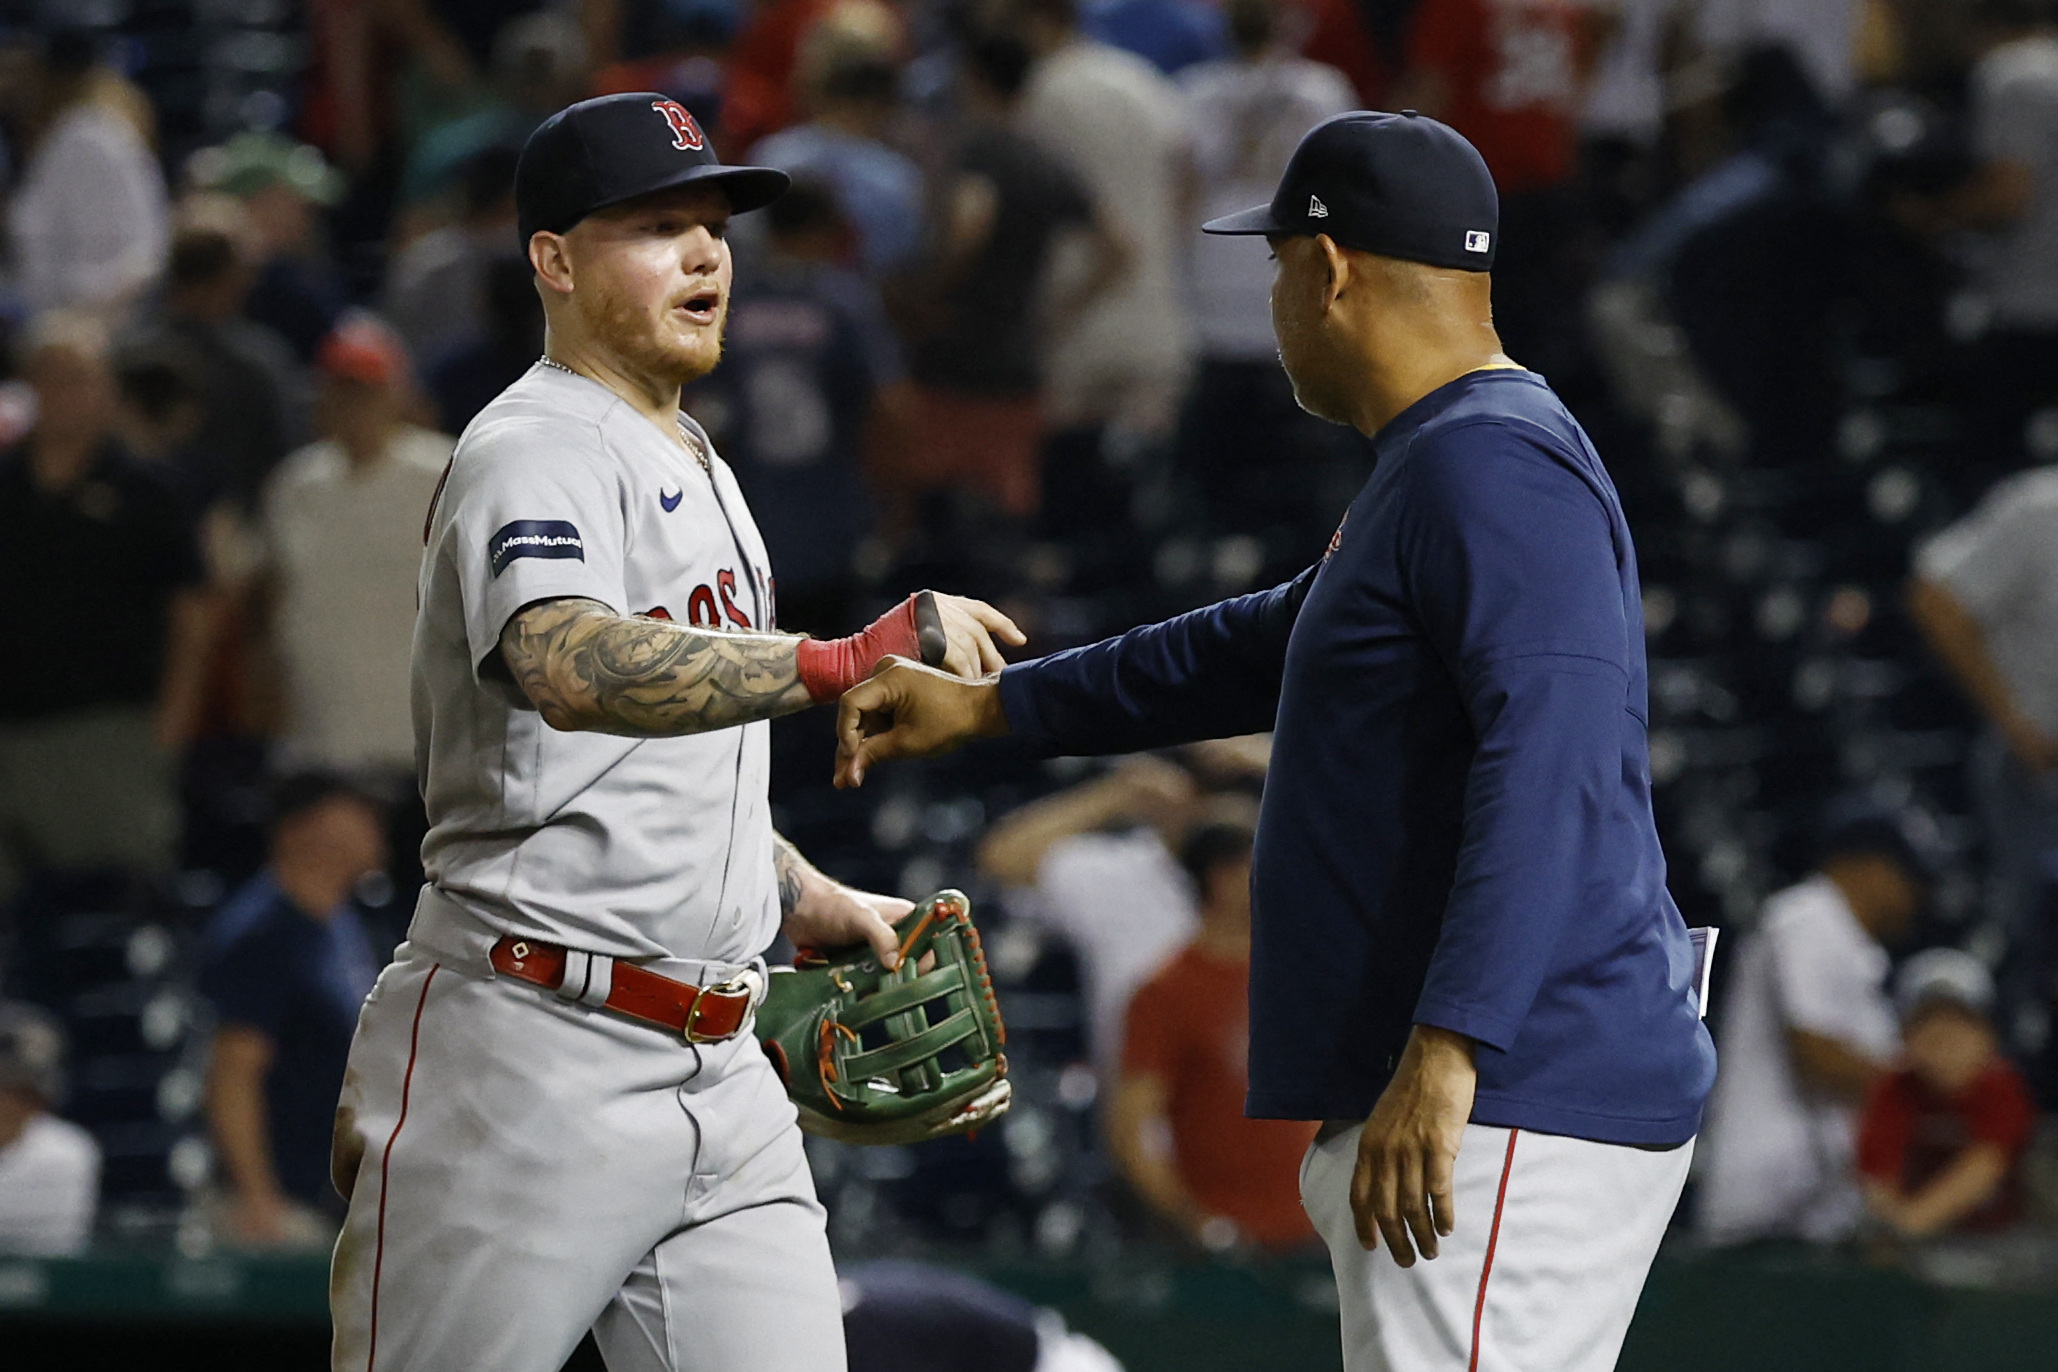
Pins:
x,y
792,870
584,667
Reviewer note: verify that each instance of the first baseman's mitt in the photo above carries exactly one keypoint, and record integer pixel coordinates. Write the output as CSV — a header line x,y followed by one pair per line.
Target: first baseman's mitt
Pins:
x,y
872,1056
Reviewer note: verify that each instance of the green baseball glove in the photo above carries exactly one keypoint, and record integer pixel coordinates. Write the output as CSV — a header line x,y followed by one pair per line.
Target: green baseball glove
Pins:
x,y
872,1056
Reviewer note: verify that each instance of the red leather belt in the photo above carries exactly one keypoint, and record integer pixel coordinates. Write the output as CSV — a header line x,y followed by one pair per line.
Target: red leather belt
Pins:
x,y
698,1014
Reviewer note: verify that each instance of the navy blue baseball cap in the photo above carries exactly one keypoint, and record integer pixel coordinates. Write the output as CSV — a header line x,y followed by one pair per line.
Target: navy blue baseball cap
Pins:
x,y
1400,185
612,148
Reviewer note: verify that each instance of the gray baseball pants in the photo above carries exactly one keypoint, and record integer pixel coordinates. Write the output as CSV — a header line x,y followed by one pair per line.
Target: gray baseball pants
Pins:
x,y
526,1169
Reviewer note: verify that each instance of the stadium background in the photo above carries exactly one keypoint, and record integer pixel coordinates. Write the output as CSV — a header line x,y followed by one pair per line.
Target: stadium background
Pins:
x,y
1743,241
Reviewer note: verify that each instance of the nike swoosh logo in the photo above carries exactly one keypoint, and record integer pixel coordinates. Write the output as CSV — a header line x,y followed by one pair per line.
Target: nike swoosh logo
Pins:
x,y
670,502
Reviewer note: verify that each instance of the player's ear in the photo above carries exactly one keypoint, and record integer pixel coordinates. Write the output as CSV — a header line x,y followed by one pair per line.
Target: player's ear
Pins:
x,y
551,260
1335,263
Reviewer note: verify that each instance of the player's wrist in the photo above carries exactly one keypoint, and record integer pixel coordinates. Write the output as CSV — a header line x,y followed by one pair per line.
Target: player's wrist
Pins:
x,y
989,712
830,666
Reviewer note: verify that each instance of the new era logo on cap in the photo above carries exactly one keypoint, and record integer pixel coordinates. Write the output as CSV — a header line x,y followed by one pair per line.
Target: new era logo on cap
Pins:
x,y
1477,240
1316,209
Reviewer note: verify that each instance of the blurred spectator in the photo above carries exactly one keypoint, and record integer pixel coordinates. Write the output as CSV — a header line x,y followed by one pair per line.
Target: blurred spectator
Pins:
x,y
358,57
1823,35
1622,117
1806,1030
286,963
1339,32
161,407
540,62
1508,74
1002,202
1753,264
435,292
1171,35
677,47
759,98
1246,116
1076,855
1985,596
49,1167
1943,1137
1117,358
2014,195
851,95
1176,1125
248,376
806,362
88,219
912,1317
284,187
342,531
106,603
464,379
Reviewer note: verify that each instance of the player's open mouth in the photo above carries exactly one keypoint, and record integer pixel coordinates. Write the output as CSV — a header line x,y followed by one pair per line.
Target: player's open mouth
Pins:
x,y
701,308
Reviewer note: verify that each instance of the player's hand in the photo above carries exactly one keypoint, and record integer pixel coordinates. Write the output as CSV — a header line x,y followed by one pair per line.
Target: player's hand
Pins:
x,y
258,1219
1408,1150
970,626
832,915
908,710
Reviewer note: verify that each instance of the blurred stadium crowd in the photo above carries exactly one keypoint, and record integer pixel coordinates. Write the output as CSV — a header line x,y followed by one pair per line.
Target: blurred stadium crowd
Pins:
x,y
1794,265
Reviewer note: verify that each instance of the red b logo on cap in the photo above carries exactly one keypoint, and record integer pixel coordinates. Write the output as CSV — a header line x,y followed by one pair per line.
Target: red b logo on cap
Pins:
x,y
685,133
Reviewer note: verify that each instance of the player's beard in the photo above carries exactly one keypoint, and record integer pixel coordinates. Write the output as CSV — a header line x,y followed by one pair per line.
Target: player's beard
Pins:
x,y
641,343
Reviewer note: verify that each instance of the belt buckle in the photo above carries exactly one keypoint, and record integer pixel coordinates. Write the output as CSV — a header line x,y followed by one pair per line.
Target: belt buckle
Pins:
x,y
722,988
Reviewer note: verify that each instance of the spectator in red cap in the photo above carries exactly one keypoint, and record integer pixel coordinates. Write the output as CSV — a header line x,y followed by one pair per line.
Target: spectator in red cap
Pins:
x,y
341,522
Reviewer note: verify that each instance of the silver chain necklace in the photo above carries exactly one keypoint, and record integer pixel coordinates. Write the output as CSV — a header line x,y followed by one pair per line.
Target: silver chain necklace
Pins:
x,y
692,441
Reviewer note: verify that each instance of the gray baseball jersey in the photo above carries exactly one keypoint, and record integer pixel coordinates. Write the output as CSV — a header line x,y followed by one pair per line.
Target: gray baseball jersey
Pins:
x,y
636,848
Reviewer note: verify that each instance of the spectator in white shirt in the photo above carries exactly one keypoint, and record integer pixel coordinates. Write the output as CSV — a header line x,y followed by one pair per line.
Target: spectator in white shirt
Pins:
x,y
341,524
1094,865
1985,595
1121,362
88,222
1806,1027
1247,114
49,1167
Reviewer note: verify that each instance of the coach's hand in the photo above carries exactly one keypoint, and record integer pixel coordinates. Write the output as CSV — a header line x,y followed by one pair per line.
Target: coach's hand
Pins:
x,y
1408,1150
908,710
969,628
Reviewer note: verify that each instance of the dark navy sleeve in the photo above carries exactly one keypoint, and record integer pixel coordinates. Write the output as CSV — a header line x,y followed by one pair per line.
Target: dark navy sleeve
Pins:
x,y
249,982
1508,557
1210,673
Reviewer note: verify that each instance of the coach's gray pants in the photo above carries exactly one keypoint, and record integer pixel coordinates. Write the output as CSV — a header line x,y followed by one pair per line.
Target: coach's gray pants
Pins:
x,y
527,1169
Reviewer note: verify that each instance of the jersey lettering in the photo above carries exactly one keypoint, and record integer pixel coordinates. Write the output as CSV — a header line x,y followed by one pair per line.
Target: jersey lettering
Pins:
x,y
685,133
534,538
726,579
700,609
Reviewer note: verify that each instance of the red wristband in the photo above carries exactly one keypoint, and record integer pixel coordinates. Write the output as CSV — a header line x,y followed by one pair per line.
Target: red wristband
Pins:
x,y
831,666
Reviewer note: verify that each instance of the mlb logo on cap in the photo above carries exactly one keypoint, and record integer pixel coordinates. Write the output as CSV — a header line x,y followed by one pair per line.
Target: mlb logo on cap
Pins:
x,y
1477,240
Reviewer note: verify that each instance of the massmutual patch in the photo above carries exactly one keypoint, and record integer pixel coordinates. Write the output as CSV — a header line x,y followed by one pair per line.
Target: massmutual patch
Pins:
x,y
535,538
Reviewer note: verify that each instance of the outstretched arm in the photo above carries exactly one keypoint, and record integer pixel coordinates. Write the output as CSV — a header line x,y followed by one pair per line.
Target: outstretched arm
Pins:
x,y
584,667
1209,673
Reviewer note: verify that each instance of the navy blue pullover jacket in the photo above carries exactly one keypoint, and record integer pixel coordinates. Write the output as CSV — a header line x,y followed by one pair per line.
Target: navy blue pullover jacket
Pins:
x,y
1457,827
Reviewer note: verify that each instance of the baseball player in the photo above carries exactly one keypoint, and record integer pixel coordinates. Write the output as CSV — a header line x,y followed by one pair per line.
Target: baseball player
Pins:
x,y
553,1120
1464,958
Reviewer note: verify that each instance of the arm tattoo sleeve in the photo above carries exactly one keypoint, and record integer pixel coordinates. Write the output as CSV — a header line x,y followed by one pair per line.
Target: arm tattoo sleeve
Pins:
x,y
585,667
788,864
